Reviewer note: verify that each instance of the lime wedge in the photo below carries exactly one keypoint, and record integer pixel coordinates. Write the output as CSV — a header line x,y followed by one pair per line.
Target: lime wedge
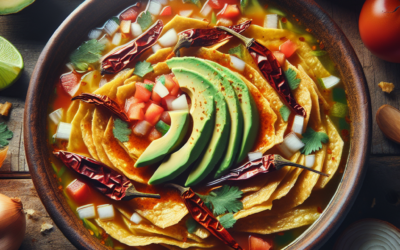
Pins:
x,y
11,63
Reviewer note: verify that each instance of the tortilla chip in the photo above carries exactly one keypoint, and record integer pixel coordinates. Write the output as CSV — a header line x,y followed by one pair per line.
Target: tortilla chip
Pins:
x,y
124,236
76,143
71,112
180,23
124,92
120,159
311,83
86,127
317,70
160,56
90,82
99,124
334,153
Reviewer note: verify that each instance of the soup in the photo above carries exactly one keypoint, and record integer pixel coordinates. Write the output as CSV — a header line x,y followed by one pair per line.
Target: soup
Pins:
x,y
169,131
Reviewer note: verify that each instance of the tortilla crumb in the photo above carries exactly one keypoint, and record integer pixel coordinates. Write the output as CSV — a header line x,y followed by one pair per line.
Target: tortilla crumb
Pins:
x,y
5,108
46,227
386,86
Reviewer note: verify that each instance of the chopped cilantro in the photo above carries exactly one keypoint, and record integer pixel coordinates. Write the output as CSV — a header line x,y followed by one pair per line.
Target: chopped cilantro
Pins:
x,y
285,112
292,79
5,135
62,171
89,52
121,130
243,4
318,53
116,19
162,79
213,18
149,87
227,221
224,199
109,242
339,110
92,227
191,225
142,68
313,141
145,20
238,50
339,95
195,2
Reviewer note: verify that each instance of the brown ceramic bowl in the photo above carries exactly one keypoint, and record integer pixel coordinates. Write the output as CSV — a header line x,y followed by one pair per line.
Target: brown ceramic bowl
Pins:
x,y
92,13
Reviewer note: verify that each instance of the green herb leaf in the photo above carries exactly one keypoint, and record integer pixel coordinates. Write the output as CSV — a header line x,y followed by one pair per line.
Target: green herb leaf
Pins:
x,y
89,52
227,221
191,225
213,18
149,87
89,225
109,242
162,127
285,112
62,171
292,79
121,130
313,141
318,52
339,95
243,4
162,79
116,19
238,50
145,20
142,68
339,110
5,135
224,199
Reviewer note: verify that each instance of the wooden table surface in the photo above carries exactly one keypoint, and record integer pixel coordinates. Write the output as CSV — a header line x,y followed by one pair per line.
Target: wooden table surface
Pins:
x,y
30,30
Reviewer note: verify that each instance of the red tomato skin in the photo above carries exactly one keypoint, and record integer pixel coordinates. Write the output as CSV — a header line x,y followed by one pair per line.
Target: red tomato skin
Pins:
x,y
219,4
288,48
79,191
153,113
380,28
256,243
70,82
229,11
142,93
167,11
165,117
129,14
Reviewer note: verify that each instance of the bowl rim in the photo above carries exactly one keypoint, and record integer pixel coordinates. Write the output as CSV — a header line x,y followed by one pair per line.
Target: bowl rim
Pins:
x,y
315,236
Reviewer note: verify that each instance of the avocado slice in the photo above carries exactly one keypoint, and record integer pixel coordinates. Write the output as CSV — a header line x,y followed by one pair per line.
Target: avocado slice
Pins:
x,y
14,6
203,168
250,114
203,113
159,148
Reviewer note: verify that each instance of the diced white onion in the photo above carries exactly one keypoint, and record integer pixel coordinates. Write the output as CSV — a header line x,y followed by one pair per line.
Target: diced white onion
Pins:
x,y
330,81
106,212
163,2
142,128
285,151
136,218
86,212
126,26
293,143
156,47
310,159
298,124
104,40
111,27
185,13
95,34
154,8
63,131
160,89
136,30
206,10
56,116
102,82
237,63
169,39
117,39
271,21
198,18
224,22
180,103
255,156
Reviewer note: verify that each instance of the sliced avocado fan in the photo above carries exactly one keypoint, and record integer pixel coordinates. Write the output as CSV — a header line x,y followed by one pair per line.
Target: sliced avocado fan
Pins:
x,y
13,6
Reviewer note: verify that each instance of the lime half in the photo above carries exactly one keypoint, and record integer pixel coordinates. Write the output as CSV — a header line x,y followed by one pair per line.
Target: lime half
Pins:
x,y
11,63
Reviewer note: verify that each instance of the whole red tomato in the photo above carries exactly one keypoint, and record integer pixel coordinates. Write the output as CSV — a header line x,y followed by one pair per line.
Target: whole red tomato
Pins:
x,y
379,26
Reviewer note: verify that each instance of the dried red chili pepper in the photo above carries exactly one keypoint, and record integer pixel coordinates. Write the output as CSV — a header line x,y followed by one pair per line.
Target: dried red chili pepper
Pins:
x,y
206,37
108,181
270,68
104,101
117,60
205,217
266,164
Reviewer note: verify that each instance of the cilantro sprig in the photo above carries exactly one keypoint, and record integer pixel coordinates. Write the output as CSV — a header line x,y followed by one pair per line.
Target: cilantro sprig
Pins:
x,y
191,225
121,130
238,50
224,199
145,20
313,141
292,79
5,135
285,112
142,68
227,221
89,52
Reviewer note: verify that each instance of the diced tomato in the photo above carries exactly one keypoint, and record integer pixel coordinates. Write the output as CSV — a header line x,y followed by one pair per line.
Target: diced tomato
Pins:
x,y
142,128
130,14
142,93
70,82
175,91
229,11
136,111
165,117
148,82
167,11
132,100
288,48
280,57
166,101
154,134
256,243
153,113
155,97
147,105
219,4
79,191
169,82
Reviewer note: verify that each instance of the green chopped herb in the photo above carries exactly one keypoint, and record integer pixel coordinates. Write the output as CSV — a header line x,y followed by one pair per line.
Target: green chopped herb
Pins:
x,y
62,171
195,2
116,19
109,242
292,79
162,79
142,68
313,141
339,110
213,18
5,135
89,225
191,225
224,199
121,130
162,127
243,5
238,50
149,87
89,52
321,83
285,112
339,95
318,52
227,221
145,20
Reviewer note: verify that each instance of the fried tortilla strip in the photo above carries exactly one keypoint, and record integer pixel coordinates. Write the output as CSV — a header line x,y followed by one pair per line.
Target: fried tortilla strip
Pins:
x,y
160,56
120,159
124,92
129,238
180,23
90,82
311,84
5,108
334,153
71,112
110,90
86,127
99,124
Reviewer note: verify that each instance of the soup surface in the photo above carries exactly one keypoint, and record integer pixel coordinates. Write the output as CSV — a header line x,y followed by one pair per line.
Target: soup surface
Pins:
x,y
158,95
